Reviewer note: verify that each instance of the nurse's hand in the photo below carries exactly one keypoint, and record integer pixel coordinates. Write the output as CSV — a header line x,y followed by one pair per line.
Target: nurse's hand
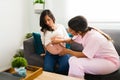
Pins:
x,y
64,51
56,40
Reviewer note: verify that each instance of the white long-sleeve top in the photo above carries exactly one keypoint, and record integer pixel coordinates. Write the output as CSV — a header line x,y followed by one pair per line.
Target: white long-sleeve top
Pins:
x,y
59,31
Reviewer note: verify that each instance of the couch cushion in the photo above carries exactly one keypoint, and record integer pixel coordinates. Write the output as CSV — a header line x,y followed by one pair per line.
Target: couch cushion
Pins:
x,y
76,46
38,43
114,34
112,76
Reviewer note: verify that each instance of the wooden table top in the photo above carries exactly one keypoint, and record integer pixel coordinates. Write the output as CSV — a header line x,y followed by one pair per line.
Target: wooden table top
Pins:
x,y
53,76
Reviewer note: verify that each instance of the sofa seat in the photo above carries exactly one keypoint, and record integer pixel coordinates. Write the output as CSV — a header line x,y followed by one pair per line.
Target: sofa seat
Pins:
x,y
113,76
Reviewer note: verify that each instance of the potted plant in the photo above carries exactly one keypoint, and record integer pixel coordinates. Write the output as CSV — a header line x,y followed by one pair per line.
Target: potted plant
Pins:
x,y
38,5
39,1
19,53
19,64
28,35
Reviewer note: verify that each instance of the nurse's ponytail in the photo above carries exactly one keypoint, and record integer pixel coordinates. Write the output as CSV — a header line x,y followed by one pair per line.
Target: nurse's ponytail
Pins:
x,y
104,34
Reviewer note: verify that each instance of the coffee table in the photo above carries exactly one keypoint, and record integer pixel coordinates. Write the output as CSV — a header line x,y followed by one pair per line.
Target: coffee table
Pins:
x,y
53,76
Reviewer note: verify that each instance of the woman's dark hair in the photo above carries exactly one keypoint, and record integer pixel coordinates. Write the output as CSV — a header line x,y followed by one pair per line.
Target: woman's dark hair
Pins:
x,y
78,23
42,22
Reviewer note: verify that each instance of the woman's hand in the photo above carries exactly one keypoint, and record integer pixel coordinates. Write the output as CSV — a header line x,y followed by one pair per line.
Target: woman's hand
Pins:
x,y
56,40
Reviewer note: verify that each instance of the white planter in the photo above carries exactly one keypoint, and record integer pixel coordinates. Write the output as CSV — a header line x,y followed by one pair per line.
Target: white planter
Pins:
x,y
21,71
38,8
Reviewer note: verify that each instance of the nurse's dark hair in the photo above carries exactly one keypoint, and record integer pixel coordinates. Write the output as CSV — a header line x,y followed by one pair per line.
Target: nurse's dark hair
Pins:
x,y
42,21
80,24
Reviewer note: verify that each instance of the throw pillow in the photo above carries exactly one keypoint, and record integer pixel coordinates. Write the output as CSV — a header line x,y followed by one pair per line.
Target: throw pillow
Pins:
x,y
68,44
38,43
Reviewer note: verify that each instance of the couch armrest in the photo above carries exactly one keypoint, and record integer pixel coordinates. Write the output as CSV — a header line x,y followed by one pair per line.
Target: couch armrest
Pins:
x,y
28,47
30,54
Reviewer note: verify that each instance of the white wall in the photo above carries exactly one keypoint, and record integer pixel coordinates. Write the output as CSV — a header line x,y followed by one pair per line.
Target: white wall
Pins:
x,y
63,12
94,10
56,6
14,24
105,25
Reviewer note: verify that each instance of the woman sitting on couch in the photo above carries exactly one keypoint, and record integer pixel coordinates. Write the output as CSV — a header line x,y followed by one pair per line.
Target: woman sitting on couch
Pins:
x,y
50,30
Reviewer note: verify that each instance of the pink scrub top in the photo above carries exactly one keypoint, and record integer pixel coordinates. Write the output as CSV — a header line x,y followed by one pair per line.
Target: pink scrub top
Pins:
x,y
97,46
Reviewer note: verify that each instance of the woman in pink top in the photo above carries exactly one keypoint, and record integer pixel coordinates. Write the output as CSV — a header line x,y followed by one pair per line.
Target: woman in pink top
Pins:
x,y
98,56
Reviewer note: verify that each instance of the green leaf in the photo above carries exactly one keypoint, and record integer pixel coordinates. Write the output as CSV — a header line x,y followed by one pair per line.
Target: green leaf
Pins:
x,y
39,1
19,54
28,35
19,62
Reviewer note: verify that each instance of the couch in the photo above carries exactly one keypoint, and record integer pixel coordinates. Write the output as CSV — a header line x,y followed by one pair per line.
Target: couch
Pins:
x,y
37,60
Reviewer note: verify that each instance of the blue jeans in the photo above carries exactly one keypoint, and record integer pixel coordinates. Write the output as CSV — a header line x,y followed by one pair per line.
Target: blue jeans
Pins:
x,y
50,62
